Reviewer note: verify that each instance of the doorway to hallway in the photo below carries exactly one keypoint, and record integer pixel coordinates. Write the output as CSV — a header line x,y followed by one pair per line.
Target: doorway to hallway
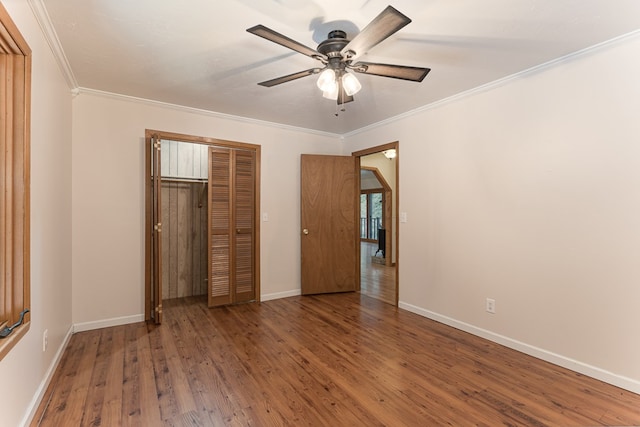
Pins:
x,y
378,258
377,280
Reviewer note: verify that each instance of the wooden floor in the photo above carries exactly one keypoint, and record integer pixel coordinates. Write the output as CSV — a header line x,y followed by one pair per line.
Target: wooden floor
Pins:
x,y
376,280
332,360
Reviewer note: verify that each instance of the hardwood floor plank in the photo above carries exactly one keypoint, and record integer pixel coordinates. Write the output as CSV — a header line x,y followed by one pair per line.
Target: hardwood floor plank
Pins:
x,y
210,358
67,404
130,374
300,378
342,359
149,411
319,347
376,280
160,353
96,390
172,338
111,411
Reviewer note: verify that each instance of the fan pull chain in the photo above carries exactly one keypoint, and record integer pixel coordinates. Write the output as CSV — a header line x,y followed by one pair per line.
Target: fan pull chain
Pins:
x,y
342,108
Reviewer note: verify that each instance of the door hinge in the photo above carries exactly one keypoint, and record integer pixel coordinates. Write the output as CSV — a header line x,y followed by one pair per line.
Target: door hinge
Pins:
x,y
158,227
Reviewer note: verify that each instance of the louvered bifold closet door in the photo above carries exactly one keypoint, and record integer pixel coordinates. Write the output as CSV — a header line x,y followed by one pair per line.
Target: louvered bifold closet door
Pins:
x,y
231,226
244,214
220,226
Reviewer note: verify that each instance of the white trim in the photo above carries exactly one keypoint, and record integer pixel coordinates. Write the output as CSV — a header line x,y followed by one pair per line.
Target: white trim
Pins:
x,y
548,356
278,295
88,91
116,321
491,85
32,408
49,32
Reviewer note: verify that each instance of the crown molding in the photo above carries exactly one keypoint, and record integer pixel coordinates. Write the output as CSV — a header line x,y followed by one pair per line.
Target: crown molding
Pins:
x,y
42,16
192,110
492,85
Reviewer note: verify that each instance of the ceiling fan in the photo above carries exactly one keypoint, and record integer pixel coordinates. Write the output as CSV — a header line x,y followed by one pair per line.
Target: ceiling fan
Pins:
x,y
337,54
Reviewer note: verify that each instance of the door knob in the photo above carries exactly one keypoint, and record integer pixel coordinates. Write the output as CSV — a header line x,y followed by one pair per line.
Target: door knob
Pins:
x,y
305,231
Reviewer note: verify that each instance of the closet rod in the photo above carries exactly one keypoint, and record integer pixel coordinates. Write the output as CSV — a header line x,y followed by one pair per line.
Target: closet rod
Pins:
x,y
202,180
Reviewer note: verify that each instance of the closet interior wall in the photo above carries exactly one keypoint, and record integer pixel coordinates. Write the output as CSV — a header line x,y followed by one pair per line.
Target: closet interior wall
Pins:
x,y
184,219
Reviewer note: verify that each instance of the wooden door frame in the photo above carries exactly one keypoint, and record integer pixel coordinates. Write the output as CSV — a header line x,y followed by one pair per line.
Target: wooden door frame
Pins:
x,y
149,134
373,150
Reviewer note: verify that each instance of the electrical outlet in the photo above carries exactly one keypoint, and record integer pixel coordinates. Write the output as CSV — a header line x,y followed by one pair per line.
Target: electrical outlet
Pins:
x,y
45,340
491,306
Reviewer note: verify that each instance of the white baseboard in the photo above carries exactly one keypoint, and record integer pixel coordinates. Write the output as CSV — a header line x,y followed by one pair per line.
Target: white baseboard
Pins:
x,y
116,321
37,397
557,359
278,295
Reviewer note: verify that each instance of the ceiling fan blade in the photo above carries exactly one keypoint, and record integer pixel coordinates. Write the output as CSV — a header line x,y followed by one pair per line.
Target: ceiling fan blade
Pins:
x,y
388,22
415,74
269,34
290,77
344,99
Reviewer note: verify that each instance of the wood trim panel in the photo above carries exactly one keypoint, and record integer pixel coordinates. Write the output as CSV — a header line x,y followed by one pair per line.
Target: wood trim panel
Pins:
x,y
376,149
184,236
202,140
15,172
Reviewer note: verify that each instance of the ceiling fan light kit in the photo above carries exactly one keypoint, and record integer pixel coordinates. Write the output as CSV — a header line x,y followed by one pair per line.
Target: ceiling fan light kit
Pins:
x,y
350,83
337,54
331,94
327,80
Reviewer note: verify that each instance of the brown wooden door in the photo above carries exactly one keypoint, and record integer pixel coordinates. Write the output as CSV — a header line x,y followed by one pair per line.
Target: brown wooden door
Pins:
x,y
243,218
231,248
156,236
328,219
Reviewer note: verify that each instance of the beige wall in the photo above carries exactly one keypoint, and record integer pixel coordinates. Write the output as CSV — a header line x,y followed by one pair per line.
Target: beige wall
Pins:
x,y
23,370
108,200
529,193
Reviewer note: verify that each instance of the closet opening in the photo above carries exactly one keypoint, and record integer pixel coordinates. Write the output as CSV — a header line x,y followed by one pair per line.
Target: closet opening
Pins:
x,y
184,178
202,228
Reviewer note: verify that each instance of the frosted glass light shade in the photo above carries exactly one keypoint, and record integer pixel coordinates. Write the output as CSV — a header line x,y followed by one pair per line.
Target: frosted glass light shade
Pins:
x,y
332,94
350,84
327,80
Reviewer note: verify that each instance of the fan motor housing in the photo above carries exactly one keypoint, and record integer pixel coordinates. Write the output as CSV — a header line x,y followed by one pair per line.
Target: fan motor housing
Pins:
x,y
336,41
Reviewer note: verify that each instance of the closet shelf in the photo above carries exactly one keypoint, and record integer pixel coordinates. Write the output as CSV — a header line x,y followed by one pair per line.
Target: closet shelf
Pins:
x,y
176,179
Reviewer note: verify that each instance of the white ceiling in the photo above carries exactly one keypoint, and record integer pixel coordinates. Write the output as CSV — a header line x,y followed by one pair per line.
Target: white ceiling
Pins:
x,y
197,53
